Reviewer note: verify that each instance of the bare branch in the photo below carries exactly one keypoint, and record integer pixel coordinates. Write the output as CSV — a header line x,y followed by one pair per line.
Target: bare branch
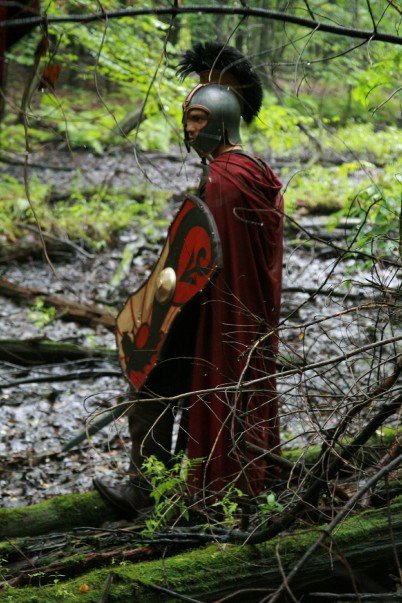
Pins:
x,y
214,10
332,525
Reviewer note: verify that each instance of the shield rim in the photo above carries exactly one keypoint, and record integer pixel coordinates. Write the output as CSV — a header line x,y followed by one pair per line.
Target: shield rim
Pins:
x,y
217,251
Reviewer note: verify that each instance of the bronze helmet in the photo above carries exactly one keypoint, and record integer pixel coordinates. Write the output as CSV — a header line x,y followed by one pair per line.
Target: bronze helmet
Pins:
x,y
223,109
229,89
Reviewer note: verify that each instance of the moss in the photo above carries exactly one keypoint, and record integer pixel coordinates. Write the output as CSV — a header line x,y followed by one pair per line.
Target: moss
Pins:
x,y
58,513
7,548
383,437
215,568
308,455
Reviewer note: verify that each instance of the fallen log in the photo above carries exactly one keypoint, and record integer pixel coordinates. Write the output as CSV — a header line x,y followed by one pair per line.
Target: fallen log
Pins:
x,y
71,510
88,373
27,352
69,310
129,122
32,247
361,553
58,513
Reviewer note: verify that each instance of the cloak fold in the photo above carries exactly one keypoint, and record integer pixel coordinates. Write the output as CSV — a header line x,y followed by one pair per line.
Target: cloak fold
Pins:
x,y
235,310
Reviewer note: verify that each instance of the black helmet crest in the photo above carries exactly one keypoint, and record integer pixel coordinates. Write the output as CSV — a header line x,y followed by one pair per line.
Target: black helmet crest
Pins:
x,y
222,64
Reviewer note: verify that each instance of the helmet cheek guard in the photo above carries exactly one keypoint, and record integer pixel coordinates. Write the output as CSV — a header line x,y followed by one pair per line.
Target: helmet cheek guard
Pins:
x,y
223,126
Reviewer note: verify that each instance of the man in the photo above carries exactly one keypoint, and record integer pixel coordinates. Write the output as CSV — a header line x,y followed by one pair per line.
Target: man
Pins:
x,y
229,330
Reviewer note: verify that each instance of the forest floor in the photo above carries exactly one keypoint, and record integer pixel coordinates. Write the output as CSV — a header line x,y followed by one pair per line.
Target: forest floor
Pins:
x,y
38,418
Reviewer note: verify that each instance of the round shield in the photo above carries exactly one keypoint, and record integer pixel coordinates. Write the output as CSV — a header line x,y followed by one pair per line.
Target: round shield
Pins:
x,y
190,258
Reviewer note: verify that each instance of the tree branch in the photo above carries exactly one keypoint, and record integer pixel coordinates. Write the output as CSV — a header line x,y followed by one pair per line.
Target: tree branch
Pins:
x,y
326,532
244,11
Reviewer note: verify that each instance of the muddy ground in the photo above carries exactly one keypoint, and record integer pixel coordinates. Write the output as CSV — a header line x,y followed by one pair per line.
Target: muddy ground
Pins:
x,y
38,418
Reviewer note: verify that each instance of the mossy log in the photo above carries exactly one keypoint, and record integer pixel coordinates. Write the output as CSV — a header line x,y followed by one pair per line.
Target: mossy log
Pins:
x,y
370,452
67,511
365,545
39,351
129,122
56,514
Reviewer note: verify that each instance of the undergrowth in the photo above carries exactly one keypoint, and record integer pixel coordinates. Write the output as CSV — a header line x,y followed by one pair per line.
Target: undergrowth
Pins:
x,y
174,504
368,169
92,217
321,189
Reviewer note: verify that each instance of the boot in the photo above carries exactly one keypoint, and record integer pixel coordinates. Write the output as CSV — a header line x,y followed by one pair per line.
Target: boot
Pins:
x,y
128,498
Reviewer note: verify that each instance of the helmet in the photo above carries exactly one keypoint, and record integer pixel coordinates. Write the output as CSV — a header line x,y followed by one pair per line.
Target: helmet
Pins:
x,y
222,106
229,88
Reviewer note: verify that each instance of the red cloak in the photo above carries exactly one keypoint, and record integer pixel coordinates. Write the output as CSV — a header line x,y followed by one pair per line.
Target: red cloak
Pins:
x,y
240,306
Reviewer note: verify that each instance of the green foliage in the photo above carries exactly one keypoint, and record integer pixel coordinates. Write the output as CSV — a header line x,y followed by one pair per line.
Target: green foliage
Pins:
x,y
80,128
270,505
155,133
312,102
12,137
111,67
276,129
172,500
381,146
375,85
40,315
229,506
169,490
319,189
378,205
125,55
343,188
3,571
95,216
14,206
92,217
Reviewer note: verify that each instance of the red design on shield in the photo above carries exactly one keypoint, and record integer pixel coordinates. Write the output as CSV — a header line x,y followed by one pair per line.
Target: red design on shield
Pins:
x,y
194,265
192,250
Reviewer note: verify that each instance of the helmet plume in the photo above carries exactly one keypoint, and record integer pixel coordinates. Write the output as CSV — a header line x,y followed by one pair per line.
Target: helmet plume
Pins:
x,y
221,64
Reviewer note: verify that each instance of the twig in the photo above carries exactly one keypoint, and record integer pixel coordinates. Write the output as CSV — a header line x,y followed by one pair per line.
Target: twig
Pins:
x,y
386,597
243,591
280,461
343,251
319,481
329,292
326,533
108,583
89,374
170,592
51,237
314,365
380,389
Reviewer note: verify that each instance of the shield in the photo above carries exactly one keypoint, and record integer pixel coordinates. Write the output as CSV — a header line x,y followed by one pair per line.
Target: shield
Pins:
x,y
191,257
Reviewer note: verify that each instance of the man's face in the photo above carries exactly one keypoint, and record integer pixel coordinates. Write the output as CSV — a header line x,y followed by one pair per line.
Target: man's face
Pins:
x,y
196,120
